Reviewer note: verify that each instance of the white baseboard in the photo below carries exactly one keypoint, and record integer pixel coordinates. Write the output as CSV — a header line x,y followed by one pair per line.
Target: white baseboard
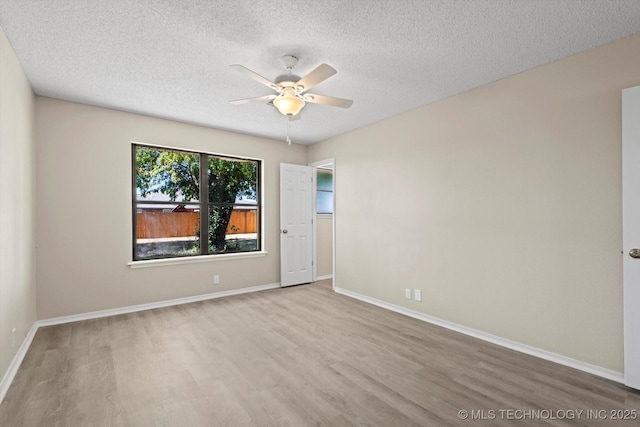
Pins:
x,y
19,357
16,362
325,277
543,354
152,305
513,345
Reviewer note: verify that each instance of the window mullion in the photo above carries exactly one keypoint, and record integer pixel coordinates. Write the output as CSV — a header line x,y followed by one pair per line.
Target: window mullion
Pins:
x,y
204,205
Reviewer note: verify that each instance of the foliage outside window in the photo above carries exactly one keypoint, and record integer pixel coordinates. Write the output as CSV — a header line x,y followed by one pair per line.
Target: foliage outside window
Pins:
x,y
174,215
324,191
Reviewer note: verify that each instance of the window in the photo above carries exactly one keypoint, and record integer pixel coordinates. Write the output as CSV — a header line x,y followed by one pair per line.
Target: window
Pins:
x,y
324,193
174,215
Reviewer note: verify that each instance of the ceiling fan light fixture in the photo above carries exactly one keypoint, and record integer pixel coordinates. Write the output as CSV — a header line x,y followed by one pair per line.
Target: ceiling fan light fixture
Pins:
x,y
288,103
291,90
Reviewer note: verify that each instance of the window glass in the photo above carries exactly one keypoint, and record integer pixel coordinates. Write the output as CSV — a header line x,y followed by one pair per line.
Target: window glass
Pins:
x,y
237,234
324,193
171,208
164,231
172,174
325,202
232,180
325,180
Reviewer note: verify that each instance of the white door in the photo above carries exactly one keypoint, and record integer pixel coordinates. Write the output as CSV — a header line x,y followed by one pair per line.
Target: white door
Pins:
x,y
296,227
631,233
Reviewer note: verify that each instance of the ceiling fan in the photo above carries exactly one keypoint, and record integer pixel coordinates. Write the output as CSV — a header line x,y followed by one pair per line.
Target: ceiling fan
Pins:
x,y
292,90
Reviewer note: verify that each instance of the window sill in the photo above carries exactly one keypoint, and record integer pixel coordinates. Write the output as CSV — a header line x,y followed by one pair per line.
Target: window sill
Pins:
x,y
195,259
324,215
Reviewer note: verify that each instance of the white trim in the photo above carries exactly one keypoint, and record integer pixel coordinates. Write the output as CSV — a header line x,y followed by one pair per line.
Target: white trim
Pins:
x,y
532,351
151,305
333,228
195,259
330,161
543,354
16,362
325,277
20,355
192,150
631,234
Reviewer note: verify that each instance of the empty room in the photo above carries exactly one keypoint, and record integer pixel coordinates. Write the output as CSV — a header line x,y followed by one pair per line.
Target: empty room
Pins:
x,y
337,213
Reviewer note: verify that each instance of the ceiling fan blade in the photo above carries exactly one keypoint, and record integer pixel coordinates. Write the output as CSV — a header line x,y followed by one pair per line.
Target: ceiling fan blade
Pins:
x,y
250,100
255,76
321,73
327,100
294,118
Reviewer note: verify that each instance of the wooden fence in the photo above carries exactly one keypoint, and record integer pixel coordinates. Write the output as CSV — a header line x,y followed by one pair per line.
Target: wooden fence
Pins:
x,y
243,221
153,225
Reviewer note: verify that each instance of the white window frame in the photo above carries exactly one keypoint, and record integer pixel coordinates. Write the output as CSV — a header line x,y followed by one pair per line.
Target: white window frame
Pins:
x,y
213,257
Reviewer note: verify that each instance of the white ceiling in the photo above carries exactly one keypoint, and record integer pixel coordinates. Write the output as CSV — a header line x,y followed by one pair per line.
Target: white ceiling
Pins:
x,y
170,58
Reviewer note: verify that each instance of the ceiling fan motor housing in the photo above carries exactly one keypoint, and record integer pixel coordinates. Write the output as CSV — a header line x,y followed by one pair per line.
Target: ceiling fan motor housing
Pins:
x,y
286,80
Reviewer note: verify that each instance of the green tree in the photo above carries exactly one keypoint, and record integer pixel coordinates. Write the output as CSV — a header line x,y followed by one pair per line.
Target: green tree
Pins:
x,y
228,179
172,173
177,174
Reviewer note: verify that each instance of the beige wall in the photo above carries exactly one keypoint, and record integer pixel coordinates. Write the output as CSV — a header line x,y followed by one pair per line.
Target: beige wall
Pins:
x,y
84,209
503,204
324,245
17,217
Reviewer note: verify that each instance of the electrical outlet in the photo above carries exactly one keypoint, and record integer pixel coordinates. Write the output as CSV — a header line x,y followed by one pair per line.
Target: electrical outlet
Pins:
x,y
216,280
417,295
13,337
407,293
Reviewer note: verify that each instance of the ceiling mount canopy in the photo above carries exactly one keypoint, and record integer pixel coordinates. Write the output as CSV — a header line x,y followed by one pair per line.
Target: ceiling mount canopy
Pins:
x,y
289,62
291,97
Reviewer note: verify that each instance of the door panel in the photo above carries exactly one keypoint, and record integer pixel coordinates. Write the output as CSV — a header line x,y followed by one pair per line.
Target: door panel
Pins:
x,y
296,227
631,233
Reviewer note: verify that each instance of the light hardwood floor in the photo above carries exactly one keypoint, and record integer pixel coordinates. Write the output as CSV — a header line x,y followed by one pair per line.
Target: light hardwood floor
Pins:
x,y
290,357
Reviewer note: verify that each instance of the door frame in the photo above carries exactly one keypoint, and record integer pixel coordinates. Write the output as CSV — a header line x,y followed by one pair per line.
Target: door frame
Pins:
x,y
631,233
315,165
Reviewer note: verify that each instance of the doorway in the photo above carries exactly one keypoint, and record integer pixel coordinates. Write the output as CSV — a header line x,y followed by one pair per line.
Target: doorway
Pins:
x,y
324,223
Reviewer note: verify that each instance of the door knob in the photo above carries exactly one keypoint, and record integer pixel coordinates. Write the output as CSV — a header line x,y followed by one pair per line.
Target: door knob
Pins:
x,y
285,231
634,253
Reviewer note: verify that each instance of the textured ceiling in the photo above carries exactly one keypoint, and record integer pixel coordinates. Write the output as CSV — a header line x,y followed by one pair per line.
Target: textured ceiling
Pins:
x,y
171,58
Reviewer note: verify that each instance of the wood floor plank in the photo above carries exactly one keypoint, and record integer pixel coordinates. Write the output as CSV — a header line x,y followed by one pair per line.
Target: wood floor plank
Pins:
x,y
296,356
